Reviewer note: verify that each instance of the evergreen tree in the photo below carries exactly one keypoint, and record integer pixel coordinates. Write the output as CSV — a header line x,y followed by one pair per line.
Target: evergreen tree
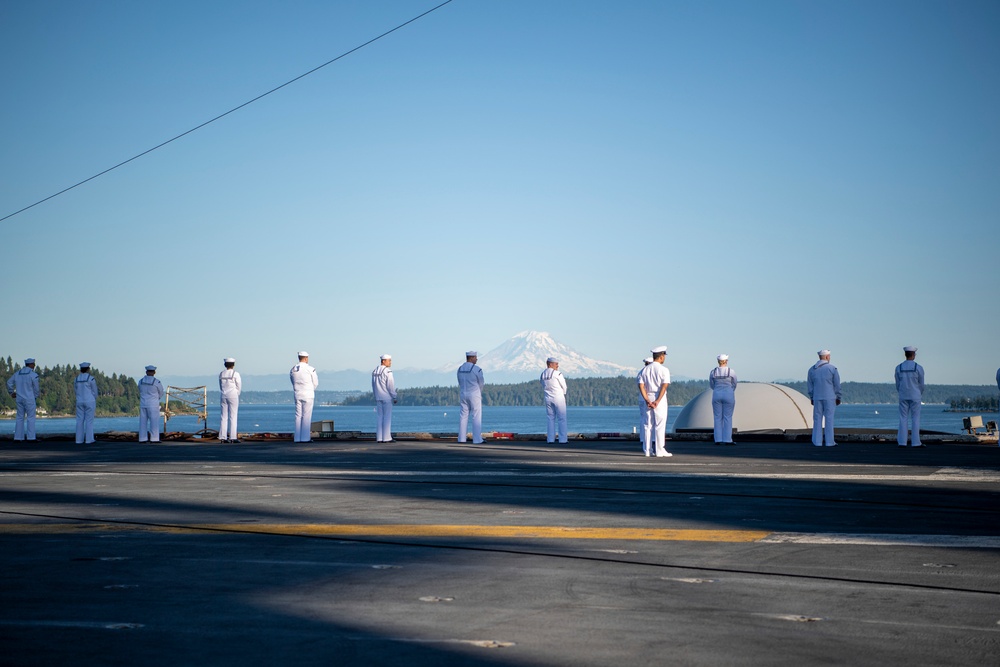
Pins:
x,y
117,395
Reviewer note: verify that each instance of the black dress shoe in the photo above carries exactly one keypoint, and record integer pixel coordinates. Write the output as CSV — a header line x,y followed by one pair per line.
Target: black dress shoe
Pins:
x,y
235,441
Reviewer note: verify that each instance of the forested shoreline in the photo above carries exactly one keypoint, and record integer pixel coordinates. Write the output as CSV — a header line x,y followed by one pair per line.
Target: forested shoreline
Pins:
x,y
117,395
621,391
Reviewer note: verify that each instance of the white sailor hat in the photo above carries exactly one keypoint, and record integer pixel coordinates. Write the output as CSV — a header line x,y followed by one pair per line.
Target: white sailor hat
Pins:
x,y
151,368
647,360
909,348
29,360
723,357
552,360
662,349
84,364
386,357
229,360
823,353
303,353
472,353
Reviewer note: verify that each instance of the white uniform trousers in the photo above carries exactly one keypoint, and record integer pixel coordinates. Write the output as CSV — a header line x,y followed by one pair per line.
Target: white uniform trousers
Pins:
x,y
658,419
908,409
230,408
471,406
149,422
555,411
723,404
823,410
303,420
25,413
646,428
85,423
383,421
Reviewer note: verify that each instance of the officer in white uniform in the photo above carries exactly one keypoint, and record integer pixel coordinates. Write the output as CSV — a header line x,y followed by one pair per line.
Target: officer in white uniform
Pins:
x,y
645,420
722,381
823,385
470,391
384,390
151,392
86,403
23,387
554,390
910,386
304,383
653,383
230,387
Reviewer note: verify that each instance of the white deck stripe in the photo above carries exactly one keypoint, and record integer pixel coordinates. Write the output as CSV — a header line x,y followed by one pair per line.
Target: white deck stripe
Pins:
x,y
884,540
983,478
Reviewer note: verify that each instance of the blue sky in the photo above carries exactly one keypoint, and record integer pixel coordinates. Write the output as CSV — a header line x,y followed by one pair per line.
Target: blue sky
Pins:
x,y
762,179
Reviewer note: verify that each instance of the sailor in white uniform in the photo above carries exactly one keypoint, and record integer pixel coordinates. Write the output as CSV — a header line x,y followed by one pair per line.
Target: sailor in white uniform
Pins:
x,y
554,391
85,386
151,392
645,420
823,385
470,391
384,390
230,387
722,381
910,386
23,387
653,382
304,383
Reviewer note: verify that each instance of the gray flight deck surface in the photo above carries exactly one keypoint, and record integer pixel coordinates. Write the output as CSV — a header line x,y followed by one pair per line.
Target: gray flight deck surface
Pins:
x,y
505,553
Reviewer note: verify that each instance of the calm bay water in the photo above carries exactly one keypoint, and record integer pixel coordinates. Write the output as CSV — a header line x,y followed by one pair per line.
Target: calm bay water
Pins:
x,y
281,419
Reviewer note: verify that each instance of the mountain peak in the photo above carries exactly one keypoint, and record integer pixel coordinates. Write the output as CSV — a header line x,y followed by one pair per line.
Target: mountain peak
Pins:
x,y
526,352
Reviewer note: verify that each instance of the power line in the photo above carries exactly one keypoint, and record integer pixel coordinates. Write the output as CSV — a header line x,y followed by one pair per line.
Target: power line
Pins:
x,y
234,109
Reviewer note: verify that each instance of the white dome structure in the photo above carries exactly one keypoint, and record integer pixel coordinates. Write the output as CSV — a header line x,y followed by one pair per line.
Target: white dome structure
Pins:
x,y
759,407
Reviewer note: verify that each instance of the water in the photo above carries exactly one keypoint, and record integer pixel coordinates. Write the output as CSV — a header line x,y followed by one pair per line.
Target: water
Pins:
x,y
281,419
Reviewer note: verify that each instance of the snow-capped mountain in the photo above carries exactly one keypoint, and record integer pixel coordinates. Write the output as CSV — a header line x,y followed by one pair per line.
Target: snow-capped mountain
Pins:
x,y
517,359
523,357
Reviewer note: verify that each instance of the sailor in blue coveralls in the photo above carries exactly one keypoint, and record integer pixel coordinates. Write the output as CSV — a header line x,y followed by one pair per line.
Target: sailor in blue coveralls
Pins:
x,y
23,387
722,381
823,384
151,391
86,403
470,390
910,385
384,391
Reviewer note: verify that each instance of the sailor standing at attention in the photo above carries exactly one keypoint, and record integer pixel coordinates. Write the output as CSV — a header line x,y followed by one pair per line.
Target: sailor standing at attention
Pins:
x,y
23,387
910,386
151,391
470,391
384,390
554,390
86,403
722,381
230,387
823,385
645,421
304,383
653,383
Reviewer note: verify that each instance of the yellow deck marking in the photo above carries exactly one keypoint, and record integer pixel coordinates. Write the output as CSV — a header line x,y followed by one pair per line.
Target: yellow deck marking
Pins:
x,y
408,530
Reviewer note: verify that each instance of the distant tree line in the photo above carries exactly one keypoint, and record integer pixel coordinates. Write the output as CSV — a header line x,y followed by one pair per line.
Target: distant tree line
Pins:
x,y
117,395
587,392
885,392
622,391
974,404
284,397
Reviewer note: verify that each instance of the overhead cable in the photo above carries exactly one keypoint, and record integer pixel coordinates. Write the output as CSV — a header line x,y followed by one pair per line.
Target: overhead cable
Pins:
x,y
234,109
